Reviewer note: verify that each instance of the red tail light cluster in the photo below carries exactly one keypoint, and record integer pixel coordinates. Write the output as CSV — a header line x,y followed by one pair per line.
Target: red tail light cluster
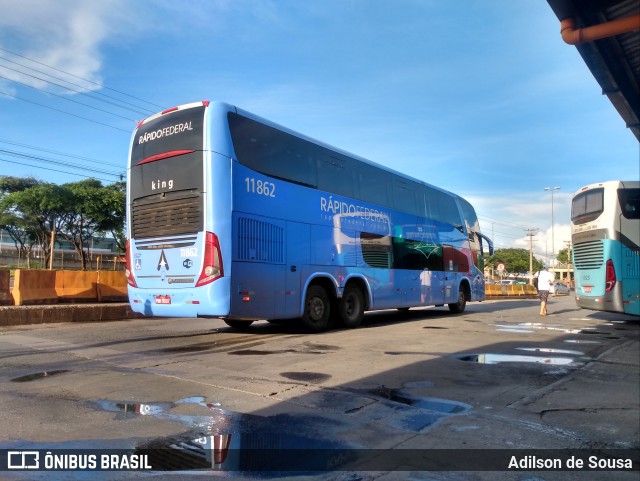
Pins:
x,y
212,267
128,272
610,276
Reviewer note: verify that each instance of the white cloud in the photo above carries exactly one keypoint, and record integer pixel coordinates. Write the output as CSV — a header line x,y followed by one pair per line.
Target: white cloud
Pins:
x,y
65,35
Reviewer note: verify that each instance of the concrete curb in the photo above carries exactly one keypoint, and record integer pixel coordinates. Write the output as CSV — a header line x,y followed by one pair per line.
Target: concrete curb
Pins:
x,y
25,315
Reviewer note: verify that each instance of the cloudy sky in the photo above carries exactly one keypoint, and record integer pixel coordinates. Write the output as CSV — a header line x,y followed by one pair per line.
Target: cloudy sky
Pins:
x,y
478,97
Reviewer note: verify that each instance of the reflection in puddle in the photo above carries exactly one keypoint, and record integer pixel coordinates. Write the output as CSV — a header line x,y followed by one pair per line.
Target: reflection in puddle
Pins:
x,y
408,411
550,350
432,404
513,329
144,409
581,341
499,358
222,440
230,441
263,451
257,352
528,327
39,375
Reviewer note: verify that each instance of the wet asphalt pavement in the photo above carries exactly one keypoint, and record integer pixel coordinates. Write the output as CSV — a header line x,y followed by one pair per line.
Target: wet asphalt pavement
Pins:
x,y
419,395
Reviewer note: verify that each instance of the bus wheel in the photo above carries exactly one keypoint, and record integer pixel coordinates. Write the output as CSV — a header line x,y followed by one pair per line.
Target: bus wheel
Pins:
x,y
459,306
240,325
317,309
351,307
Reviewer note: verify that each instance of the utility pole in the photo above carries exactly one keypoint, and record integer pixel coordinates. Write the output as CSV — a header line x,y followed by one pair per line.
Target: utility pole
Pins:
x,y
569,263
53,242
553,240
530,234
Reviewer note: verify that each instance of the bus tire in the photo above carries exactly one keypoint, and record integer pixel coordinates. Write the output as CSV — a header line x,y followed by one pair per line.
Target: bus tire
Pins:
x,y
317,309
351,307
240,325
458,307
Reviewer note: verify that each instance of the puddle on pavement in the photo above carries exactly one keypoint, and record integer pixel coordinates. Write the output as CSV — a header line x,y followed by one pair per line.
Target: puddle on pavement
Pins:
x,y
594,332
312,377
488,358
550,350
261,447
131,409
528,327
191,348
432,404
224,440
581,341
321,347
257,352
39,375
406,410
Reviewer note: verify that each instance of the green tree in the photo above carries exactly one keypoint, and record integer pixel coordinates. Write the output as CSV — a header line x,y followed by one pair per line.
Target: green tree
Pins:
x,y
26,214
117,204
30,210
563,255
90,209
39,205
516,261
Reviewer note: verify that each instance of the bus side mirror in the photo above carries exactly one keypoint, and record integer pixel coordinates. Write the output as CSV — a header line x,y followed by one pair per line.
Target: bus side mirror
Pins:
x,y
488,241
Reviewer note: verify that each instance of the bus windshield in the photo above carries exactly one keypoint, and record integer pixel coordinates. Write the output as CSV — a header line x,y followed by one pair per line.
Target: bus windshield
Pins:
x,y
587,206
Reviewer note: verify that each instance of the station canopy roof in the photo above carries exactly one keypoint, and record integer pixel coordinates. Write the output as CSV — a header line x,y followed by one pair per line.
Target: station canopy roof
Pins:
x,y
614,57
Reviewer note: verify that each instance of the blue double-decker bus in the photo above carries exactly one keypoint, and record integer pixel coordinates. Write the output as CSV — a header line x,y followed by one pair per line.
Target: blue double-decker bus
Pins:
x,y
605,233
233,216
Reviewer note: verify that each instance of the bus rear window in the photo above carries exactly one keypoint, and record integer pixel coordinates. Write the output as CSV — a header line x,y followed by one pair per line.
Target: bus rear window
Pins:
x,y
587,206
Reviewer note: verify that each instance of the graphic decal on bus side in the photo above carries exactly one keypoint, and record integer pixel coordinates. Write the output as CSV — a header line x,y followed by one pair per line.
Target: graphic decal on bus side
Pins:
x,y
334,206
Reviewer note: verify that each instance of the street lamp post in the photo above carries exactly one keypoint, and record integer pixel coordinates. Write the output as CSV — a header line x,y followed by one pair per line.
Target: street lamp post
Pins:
x,y
553,250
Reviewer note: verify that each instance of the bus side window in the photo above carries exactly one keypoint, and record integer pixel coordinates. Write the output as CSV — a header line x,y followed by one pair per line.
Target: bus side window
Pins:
x,y
404,196
373,185
630,203
335,176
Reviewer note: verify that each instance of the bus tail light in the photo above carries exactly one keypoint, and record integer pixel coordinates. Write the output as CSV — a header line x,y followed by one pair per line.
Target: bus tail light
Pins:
x,y
128,272
610,276
212,266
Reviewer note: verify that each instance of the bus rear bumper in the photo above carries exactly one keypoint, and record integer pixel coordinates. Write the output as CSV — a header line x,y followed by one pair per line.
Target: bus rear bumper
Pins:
x,y
211,301
599,303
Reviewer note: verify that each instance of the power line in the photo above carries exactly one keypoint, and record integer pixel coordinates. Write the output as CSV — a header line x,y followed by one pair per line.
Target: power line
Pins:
x,y
56,162
67,98
54,170
119,103
63,154
63,111
63,164
80,78
495,221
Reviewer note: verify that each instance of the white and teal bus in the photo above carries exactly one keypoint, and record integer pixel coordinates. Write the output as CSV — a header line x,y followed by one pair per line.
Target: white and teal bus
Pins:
x,y
605,233
233,216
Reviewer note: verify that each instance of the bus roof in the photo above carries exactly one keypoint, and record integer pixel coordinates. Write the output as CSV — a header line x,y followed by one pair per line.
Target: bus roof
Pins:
x,y
627,184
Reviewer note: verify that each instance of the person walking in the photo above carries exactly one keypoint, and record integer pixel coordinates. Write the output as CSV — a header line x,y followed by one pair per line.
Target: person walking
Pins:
x,y
545,280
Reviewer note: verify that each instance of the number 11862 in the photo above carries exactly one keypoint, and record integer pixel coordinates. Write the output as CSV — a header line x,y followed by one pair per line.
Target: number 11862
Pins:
x,y
257,186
